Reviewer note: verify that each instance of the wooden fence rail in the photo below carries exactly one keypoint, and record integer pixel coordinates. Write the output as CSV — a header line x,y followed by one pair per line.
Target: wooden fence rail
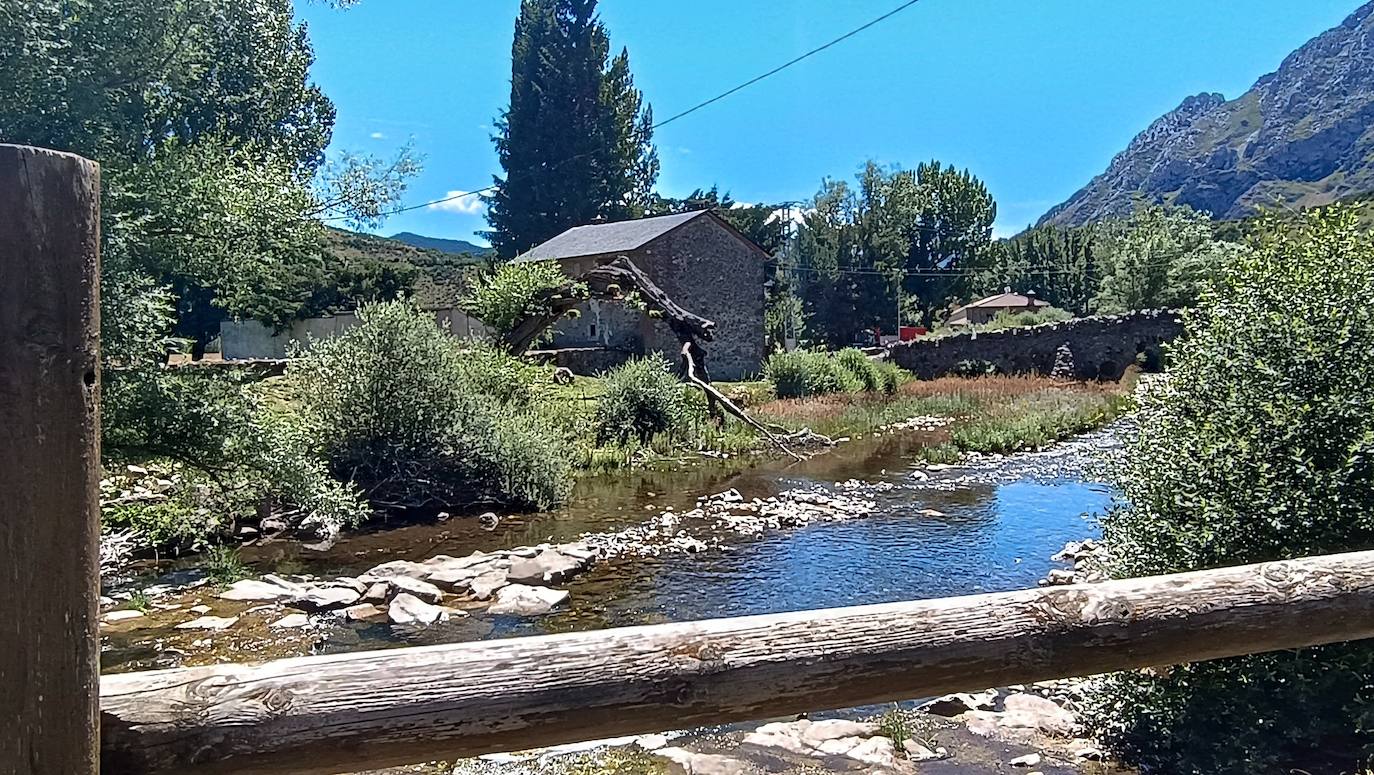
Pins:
x,y
357,711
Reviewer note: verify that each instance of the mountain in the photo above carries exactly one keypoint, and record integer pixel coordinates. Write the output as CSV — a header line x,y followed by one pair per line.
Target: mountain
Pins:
x,y
446,245
439,276
1301,136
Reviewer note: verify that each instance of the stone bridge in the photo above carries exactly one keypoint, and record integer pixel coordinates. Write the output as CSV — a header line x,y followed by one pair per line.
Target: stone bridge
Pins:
x,y
1098,347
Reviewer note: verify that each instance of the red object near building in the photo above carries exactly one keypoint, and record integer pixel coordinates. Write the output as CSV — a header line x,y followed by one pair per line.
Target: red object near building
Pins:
x,y
907,333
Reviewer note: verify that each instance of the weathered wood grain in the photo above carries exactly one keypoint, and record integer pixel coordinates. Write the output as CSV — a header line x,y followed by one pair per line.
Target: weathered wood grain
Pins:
x,y
358,711
49,461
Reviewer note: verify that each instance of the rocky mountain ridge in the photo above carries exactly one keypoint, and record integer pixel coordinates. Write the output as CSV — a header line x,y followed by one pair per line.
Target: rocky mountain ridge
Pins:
x,y
1301,136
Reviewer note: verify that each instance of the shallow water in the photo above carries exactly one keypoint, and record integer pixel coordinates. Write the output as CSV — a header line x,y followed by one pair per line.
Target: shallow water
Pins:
x,y
990,527
921,542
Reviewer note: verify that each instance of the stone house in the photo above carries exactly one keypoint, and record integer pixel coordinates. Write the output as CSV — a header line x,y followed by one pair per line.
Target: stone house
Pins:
x,y
984,310
702,262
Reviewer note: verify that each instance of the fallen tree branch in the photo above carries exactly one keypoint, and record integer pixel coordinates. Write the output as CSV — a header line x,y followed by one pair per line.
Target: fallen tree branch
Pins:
x,y
611,281
721,399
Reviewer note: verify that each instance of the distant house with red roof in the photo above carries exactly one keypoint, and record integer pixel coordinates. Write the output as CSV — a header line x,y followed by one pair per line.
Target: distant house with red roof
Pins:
x,y
984,310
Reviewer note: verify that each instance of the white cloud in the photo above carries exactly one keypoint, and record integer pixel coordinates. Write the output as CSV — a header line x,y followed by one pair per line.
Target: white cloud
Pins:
x,y
377,136
461,202
797,215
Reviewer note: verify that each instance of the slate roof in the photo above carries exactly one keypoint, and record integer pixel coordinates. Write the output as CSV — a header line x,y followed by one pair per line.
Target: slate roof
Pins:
x,y
600,238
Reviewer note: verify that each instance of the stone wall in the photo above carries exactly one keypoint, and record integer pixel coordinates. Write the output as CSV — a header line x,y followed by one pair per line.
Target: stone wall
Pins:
x,y
1084,348
251,340
587,361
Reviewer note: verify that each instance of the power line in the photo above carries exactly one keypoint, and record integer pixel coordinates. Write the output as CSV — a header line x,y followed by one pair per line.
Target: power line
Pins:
x,y
789,63
670,119
964,272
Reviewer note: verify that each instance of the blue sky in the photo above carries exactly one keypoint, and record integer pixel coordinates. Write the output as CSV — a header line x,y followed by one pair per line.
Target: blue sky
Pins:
x,y
1034,96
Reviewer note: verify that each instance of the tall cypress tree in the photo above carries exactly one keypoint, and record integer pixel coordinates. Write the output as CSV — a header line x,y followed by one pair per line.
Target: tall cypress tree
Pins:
x,y
576,142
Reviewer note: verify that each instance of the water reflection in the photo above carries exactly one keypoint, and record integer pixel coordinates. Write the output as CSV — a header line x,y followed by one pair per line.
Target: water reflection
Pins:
x,y
988,538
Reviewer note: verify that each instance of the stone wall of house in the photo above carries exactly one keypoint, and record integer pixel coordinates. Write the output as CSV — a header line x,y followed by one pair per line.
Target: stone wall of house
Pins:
x,y
708,271
1085,348
588,361
600,323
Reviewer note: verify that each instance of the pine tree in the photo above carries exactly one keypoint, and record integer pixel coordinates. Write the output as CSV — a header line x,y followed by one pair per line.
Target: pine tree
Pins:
x,y
576,142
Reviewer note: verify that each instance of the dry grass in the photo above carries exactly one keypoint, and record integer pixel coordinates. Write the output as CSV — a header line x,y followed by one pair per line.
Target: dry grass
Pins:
x,y
1002,388
997,413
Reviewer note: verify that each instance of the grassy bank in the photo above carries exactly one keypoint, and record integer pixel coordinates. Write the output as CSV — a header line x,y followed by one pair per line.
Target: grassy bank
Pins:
x,y
994,414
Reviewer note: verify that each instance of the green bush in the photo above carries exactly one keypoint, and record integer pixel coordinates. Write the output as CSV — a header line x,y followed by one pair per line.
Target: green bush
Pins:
x,y
1260,447
417,418
806,373
640,400
513,292
862,368
803,373
891,376
1028,318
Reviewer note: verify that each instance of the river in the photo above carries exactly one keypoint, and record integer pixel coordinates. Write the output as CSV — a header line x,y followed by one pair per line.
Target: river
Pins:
x,y
988,526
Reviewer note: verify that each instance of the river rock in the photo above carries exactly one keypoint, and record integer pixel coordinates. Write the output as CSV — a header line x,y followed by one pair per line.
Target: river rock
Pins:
x,y
919,753
317,599
254,589
729,496
445,562
209,623
578,551
1057,577
121,616
484,586
651,742
1029,760
377,593
523,600
408,609
960,702
547,567
1024,713
694,763
877,751
366,612
414,587
390,570
810,738
348,582
290,622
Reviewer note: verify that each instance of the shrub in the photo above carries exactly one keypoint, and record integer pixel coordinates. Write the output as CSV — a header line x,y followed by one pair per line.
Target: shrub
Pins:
x,y
513,292
891,377
1028,318
418,418
804,373
861,368
1259,447
639,400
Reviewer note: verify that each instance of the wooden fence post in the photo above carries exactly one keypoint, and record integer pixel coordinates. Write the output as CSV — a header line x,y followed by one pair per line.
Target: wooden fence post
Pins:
x,y
49,462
